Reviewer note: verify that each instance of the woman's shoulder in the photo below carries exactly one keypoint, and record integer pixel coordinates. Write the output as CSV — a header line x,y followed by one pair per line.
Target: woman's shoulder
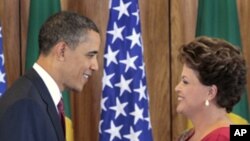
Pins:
x,y
218,134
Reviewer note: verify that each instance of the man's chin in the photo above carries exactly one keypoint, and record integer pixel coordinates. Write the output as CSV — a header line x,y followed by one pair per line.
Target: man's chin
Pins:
x,y
76,91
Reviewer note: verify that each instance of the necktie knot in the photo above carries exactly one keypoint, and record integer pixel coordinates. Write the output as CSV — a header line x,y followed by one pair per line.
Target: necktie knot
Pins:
x,y
60,107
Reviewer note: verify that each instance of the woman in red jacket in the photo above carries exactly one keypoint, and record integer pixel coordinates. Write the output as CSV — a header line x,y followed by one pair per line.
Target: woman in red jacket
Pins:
x,y
212,81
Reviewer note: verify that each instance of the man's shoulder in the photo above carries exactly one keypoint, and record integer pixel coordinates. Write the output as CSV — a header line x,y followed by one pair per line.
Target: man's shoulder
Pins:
x,y
21,89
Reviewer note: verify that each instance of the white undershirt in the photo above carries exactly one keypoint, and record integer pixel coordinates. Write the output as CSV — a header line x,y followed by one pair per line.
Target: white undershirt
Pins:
x,y
50,84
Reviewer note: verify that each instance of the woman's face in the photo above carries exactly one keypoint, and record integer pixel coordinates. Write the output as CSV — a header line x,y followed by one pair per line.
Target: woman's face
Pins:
x,y
192,94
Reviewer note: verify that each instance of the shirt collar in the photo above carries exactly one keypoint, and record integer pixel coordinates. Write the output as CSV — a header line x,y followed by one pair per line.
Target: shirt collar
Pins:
x,y
50,84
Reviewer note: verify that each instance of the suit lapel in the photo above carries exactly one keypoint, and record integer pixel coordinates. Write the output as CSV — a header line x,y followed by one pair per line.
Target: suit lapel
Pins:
x,y
45,95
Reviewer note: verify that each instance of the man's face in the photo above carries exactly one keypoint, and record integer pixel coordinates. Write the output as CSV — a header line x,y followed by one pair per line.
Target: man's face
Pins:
x,y
81,62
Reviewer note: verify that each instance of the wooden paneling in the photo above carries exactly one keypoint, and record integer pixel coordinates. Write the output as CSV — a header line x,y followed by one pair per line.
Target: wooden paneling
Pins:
x,y
24,12
1,11
177,38
11,38
244,18
183,22
155,34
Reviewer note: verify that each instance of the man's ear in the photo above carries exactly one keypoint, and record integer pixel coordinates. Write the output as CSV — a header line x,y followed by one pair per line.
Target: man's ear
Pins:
x,y
60,49
213,91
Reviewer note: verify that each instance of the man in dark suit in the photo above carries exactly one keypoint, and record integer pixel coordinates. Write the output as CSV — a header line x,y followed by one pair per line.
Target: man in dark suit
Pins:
x,y
68,47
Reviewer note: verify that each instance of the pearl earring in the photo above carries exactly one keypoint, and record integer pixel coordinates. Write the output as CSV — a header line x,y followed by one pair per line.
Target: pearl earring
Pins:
x,y
206,103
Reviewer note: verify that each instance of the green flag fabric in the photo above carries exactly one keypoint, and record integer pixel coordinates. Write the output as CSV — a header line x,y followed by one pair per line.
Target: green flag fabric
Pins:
x,y
40,10
219,18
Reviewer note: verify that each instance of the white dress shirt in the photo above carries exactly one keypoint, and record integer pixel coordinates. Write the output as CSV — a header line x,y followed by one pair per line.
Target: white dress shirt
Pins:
x,y
50,84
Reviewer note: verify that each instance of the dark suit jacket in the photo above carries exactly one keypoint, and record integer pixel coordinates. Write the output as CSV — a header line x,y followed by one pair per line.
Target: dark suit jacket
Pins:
x,y
27,112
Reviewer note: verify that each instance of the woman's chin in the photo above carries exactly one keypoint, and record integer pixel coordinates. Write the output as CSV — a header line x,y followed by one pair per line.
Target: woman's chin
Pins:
x,y
179,109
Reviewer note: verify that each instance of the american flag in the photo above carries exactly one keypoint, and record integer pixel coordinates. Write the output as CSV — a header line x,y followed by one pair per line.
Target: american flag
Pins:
x,y
3,84
125,102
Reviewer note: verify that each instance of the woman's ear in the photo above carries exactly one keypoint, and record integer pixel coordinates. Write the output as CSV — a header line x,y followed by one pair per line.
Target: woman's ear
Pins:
x,y
212,91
